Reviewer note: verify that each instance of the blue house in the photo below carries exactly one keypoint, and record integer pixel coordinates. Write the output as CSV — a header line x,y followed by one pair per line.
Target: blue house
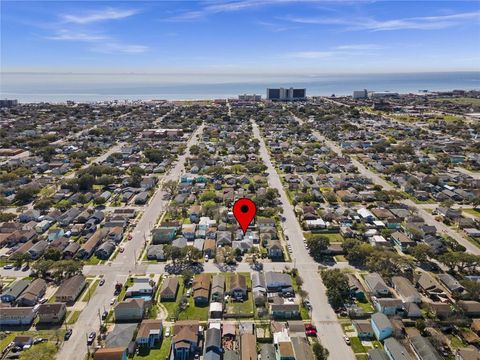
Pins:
x,y
55,234
382,327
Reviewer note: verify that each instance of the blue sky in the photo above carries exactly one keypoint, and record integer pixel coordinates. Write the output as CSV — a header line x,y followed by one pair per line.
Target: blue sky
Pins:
x,y
240,37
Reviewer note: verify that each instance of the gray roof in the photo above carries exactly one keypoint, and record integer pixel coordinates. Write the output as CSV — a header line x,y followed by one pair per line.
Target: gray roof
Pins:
x,y
396,350
16,288
381,320
377,354
211,355
450,282
272,277
258,280
375,282
424,348
231,355
267,352
121,335
213,337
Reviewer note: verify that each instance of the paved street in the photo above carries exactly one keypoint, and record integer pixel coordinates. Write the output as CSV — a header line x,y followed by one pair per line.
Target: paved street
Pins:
x,y
377,179
323,316
124,264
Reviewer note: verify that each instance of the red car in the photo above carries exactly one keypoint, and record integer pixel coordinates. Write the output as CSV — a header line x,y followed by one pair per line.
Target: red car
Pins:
x,y
310,330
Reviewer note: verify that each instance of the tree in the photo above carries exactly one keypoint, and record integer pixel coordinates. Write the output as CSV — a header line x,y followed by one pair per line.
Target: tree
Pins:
x,y
85,182
5,217
42,267
318,245
26,194
170,187
43,351
320,352
43,204
52,254
421,252
337,286
191,253
17,259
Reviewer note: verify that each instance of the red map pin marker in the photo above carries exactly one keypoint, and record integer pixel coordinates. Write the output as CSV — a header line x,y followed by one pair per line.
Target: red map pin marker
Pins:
x,y
244,211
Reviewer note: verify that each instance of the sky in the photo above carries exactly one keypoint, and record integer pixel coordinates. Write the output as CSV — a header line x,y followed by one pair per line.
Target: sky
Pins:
x,y
239,38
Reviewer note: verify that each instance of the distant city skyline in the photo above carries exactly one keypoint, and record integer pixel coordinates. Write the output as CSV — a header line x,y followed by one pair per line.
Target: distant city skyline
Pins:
x,y
227,40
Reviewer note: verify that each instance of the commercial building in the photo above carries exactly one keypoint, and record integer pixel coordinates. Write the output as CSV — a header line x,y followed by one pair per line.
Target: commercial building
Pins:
x,y
282,94
360,94
8,103
250,97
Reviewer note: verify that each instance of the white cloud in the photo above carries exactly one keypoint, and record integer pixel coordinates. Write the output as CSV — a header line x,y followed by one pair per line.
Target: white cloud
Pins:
x,y
115,47
311,54
360,47
414,23
99,15
68,35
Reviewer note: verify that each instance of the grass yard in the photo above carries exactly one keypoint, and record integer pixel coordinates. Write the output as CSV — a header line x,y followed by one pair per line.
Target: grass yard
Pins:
x,y
456,342
124,289
333,237
193,312
356,345
361,356
365,306
157,354
92,260
235,307
91,290
6,340
74,317
170,306
472,212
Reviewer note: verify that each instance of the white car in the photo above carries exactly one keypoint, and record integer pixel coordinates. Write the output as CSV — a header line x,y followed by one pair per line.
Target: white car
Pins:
x,y
113,301
167,331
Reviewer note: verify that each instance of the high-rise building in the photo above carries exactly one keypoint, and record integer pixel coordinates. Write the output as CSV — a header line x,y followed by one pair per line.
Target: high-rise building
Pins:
x,y
8,103
250,97
282,94
360,94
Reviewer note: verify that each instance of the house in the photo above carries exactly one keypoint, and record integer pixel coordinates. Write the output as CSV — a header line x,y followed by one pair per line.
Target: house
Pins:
x,y
275,281
69,216
156,252
238,287
105,250
115,353
115,234
285,311
55,234
213,341
423,348
452,284
376,286
259,290
71,249
34,292
401,241
248,346
185,340
470,308
218,288
169,289
188,231
395,350
29,215
12,293
388,306
364,329
382,327
267,352
163,235
284,351
209,247
301,348
149,333
356,288
377,354
411,311
16,316
51,313
141,286
406,290
274,249
69,290
469,353
129,310
201,289
87,249
37,249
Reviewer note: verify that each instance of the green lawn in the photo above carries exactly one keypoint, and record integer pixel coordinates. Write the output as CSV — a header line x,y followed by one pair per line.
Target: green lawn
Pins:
x,y
90,291
333,237
74,317
365,306
92,260
124,289
361,356
460,100
6,340
157,354
170,306
356,345
456,342
235,307
472,212
193,312
303,310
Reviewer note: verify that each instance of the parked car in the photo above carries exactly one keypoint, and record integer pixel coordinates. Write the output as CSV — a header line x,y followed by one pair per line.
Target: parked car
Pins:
x,y
113,301
307,304
91,338
310,330
104,315
68,333
347,339
8,267
42,301
167,331
101,282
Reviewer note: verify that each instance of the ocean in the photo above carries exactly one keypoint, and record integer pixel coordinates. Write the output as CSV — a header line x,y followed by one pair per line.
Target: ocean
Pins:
x,y
47,87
